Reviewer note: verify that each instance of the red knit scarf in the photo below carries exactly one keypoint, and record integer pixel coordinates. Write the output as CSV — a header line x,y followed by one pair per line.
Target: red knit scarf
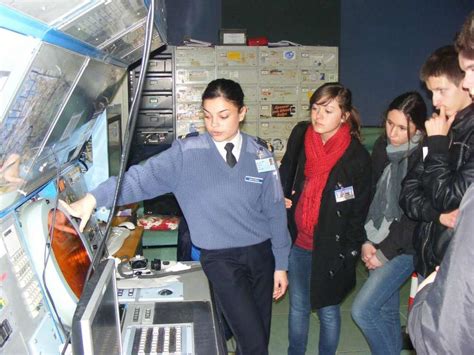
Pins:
x,y
320,159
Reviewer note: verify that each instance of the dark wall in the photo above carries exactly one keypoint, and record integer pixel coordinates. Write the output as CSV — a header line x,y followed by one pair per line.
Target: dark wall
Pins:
x,y
198,19
306,22
384,43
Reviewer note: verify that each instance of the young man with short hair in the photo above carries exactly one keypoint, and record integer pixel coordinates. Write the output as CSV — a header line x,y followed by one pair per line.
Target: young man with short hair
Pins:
x,y
433,190
443,312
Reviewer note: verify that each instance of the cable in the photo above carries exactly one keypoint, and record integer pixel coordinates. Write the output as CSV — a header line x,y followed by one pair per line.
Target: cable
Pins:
x,y
48,246
66,343
83,163
130,128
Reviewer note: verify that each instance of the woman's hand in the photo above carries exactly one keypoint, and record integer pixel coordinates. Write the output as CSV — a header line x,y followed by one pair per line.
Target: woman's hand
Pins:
x,y
373,263
280,284
368,250
288,202
82,209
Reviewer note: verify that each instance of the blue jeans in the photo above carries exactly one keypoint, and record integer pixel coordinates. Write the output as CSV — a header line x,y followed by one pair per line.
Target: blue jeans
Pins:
x,y
376,308
299,276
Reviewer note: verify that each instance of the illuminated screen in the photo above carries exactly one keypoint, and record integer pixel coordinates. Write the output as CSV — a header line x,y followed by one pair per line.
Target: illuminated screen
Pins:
x,y
69,252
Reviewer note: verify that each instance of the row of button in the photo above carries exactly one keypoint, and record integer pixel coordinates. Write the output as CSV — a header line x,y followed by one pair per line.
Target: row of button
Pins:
x,y
33,297
159,339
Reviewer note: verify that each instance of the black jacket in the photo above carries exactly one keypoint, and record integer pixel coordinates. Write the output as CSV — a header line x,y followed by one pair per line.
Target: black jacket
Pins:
x,y
340,230
400,238
437,185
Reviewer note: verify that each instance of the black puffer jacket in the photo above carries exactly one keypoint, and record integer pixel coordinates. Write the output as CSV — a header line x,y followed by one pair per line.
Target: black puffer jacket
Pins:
x,y
340,231
400,238
437,185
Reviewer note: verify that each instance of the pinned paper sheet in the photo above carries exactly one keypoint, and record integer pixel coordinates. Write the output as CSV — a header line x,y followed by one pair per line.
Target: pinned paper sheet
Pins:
x,y
235,56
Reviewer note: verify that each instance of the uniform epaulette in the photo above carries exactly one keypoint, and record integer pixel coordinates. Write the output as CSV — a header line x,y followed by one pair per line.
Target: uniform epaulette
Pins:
x,y
192,134
264,144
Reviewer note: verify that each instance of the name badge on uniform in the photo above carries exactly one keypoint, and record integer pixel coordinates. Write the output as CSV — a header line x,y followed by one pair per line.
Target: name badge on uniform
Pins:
x,y
344,194
265,164
253,179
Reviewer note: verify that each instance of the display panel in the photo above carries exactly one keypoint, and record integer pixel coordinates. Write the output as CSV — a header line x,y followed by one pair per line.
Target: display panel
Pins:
x,y
52,116
45,11
115,26
13,67
39,99
25,326
90,97
69,251
128,46
105,20
96,325
70,258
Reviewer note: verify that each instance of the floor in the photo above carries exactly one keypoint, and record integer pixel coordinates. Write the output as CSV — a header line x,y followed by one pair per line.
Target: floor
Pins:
x,y
352,341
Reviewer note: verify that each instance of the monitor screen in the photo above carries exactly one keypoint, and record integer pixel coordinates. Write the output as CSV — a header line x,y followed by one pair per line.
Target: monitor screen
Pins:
x,y
69,250
96,323
70,253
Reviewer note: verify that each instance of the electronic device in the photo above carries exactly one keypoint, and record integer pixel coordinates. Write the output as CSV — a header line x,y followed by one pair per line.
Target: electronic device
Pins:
x,y
160,339
63,66
172,291
128,225
146,324
70,258
146,336
155,264
26,326
96,321
138,262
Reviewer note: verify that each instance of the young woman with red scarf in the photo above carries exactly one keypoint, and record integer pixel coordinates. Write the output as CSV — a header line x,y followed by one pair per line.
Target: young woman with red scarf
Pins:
x,y
326,177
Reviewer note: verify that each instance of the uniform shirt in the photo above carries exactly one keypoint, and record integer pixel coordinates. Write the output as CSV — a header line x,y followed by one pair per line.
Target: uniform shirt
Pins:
x,y
225,207
236,141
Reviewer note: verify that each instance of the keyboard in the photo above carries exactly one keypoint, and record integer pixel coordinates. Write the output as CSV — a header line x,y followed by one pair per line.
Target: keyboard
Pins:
x,y
170,339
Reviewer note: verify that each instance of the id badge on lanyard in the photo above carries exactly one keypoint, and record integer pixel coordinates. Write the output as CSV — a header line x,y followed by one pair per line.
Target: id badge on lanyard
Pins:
x,y
344,193
264,164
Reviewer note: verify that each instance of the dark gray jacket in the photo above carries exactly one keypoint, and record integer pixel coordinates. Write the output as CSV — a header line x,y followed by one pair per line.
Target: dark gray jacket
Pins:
x,y
442,318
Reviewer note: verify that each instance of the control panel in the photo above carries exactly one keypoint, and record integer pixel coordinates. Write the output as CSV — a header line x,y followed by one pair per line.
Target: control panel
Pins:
x,y
173,291
25,322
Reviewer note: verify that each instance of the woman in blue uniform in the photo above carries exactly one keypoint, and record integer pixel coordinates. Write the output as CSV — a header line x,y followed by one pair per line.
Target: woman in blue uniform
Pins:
x,y
229,189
